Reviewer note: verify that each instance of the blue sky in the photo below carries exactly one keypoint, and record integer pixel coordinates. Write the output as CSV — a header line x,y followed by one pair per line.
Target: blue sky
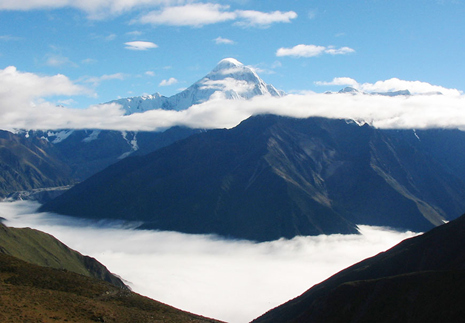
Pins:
x,y
122,48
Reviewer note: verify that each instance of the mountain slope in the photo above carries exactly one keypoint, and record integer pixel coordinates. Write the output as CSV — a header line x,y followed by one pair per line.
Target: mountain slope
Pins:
x,y
422,279
28,163
273,177
42,249
32,293
230,79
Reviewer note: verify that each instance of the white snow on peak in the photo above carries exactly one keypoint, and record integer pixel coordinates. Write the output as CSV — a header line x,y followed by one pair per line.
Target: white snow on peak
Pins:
x,y
230,79
227,63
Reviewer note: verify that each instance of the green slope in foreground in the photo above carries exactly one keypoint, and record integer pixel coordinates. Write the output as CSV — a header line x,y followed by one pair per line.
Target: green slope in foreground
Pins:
x,y
31,293
42,249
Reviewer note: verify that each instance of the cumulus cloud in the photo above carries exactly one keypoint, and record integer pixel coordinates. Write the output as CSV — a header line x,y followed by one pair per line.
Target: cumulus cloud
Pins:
x,y
238,279
221,40
140,45
15,84
168,82
193,14
201,14
96,9
252,18
312,51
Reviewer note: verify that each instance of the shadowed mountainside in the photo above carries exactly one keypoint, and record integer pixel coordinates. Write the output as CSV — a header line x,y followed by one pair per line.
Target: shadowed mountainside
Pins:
x,y
28,163
273,177
33,161
422,279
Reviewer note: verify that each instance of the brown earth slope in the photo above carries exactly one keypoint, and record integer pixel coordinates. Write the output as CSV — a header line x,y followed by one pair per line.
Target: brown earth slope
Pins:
x,y
31,293
42,249
422,279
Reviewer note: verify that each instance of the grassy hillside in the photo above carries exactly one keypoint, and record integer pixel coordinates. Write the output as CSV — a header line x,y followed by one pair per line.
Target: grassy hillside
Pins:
x,y
31,293
42,249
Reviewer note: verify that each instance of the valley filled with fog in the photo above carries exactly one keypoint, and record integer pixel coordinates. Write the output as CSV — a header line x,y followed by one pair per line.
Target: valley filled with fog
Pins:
x,y
230,280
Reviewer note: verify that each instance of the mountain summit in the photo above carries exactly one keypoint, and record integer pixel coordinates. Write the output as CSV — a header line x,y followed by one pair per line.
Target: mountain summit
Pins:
x,y
230,79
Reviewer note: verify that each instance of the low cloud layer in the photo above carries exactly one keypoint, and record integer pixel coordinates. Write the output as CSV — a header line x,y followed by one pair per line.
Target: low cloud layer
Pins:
x,y
25,103
234,281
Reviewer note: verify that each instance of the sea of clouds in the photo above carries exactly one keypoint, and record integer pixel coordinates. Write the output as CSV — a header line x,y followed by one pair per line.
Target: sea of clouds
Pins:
x,y
25,104
230,280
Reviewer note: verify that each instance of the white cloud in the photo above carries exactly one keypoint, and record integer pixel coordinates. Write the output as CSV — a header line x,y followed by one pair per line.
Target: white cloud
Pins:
x,y
312,51
9,38
150,73
140,45
194,14
340,81
391,85
89,61
135,33
168,82
221,40
23,105
110,37
58,61
252,18
96,9
201,14
106,77
30,86
339,51
237,279
228,84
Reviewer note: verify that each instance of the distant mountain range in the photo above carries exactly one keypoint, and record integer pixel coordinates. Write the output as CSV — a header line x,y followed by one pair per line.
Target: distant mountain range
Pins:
x,y
422,279
269,177
32,161
74,155
273,177
28,163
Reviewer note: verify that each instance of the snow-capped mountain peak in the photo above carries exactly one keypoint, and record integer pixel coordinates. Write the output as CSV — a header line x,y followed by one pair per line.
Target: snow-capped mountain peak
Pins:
x,y
230,79
227,63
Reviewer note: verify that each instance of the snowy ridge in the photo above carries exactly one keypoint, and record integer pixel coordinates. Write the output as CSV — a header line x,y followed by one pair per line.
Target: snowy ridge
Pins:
x,y
230,79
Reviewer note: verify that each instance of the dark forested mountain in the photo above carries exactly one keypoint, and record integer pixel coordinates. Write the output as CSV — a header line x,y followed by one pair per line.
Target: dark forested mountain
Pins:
x,y
28,163
273,177
89,151
42,159
422,279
